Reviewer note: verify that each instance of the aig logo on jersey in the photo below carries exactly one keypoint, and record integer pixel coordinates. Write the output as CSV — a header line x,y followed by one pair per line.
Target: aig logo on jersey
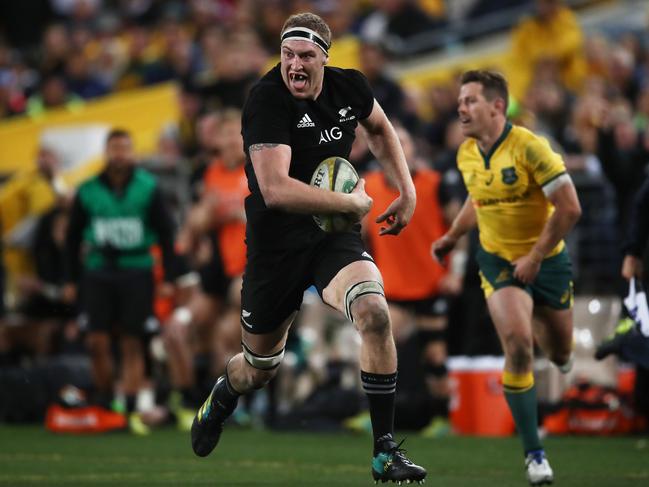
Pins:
x,y
334,133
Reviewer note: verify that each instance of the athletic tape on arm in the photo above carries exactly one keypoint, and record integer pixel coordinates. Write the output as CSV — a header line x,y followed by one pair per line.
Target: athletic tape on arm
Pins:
x,y
556,183
359,289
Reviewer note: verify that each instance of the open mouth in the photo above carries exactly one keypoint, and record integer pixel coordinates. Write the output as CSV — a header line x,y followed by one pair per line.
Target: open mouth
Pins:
x,y
298,80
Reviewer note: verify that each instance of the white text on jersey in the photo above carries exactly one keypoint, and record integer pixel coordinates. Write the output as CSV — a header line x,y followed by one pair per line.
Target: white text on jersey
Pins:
x,y
334,133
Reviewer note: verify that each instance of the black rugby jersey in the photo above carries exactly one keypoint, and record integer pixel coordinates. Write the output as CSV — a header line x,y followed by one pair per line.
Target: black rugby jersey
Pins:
x,y
315,130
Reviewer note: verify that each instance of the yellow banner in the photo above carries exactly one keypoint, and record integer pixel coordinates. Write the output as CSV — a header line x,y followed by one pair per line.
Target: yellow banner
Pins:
x,y
144,112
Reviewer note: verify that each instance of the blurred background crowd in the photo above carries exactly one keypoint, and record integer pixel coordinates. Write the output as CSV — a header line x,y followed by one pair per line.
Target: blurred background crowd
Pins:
x,y
578,73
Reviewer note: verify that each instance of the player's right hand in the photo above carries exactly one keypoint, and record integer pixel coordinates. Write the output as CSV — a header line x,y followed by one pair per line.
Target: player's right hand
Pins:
x,y
443,246
362,201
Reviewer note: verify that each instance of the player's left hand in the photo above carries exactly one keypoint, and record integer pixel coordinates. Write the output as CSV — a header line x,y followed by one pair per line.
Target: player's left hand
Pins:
x,y
397,215
526,268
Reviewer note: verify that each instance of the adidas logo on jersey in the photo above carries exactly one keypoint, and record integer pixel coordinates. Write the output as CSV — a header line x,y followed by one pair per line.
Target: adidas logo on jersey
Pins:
x,y
305,122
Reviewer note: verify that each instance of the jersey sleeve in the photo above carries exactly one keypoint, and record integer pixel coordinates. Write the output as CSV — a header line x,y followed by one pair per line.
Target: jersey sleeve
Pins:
x,y
361,92
266,117
544,164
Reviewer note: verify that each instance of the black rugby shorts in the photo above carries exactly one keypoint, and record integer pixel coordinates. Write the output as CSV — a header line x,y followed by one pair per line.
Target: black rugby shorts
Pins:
x,y
118,300
275,280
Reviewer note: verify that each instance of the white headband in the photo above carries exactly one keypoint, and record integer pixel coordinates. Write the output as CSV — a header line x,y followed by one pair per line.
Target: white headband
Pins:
x,y
304,34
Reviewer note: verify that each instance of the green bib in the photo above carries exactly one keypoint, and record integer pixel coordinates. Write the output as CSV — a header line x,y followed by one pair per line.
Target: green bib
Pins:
x,y
119,234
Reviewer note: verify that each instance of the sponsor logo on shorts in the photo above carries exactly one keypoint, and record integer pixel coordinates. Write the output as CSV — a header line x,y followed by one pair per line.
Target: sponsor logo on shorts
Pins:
x,y
245,314
504,275
567,296
367,255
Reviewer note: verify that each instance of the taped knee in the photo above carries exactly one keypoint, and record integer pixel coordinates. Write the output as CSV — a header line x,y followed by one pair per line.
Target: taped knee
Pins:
x,y
359,289
262,362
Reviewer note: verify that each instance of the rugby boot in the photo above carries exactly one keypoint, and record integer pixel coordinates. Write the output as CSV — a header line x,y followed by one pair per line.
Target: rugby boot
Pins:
x,y
614,343
391,464
537,468
208,423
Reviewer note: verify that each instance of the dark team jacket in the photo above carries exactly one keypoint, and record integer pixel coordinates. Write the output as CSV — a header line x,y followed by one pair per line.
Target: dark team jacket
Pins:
x,y
314,129
117,227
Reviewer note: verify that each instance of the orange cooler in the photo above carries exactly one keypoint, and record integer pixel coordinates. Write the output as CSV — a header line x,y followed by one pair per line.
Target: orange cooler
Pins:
x,y
478,406
625,379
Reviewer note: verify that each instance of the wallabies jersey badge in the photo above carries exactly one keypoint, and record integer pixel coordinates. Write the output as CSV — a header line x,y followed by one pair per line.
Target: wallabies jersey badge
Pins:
x,y
509,175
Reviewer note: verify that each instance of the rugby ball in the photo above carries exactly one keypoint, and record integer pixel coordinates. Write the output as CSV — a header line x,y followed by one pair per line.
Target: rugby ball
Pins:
x,y
334,174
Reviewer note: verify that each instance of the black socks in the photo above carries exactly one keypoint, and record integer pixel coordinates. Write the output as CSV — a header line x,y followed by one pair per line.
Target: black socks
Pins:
x,y
381,391
225,395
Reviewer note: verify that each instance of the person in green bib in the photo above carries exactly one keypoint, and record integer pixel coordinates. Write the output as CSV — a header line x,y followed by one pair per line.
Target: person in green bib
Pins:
x,y
116,217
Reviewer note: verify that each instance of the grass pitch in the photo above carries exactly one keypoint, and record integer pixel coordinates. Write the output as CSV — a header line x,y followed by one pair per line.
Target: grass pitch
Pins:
x,y
31,456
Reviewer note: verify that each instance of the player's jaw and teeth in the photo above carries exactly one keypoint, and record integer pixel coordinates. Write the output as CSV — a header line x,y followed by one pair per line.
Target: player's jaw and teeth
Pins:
x,y
302,68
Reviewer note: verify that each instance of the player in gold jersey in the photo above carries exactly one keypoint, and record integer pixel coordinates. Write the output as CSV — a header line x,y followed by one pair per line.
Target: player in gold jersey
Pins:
x,y
524,204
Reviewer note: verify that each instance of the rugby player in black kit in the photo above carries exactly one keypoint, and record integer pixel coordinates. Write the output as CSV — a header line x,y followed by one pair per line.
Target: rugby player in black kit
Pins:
x,y
297,115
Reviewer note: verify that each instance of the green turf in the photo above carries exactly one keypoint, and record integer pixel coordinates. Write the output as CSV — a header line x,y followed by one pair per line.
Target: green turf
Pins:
x,y
31,456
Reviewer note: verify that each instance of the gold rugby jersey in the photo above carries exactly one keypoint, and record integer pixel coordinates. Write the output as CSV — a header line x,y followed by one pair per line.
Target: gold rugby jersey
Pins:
x,y
505,186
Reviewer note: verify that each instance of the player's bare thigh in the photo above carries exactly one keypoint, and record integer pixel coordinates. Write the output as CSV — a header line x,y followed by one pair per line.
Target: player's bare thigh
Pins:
x,y
553,330
361,270
510,309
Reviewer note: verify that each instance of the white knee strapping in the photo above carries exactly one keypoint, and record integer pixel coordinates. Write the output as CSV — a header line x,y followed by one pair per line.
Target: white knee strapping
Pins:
x,y
359,289
262,362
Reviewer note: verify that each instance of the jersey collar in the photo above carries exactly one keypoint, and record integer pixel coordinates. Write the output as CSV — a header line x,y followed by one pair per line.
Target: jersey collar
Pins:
x,y
494,148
